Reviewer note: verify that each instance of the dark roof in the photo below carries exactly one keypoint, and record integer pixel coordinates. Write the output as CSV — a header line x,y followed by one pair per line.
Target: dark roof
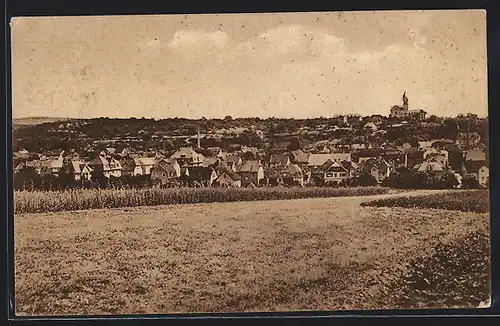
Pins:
x,y
474,166
233,159
336,167
249,166
165,167
200,172
273,172
234,176
378,164
279,159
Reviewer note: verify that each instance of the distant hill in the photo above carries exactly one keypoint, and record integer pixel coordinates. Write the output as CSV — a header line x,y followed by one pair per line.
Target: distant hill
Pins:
x,y
36,120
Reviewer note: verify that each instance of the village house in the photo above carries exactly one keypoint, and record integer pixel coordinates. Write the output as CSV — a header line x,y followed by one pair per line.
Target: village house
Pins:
x,y
366,155
201,174
317,160
187,156
165,171
279,160
233,161
480,169
228,179
108,167
124,152
294,173
300,158
475,155
432,167
412,157
335,172
209,161
79,170
394,157
251,172
52,165
351,168
439,155
138,166
377,167
37,165
216,152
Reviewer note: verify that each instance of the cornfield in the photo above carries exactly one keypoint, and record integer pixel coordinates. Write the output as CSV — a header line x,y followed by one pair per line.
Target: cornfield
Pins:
x,y
80,199
477,201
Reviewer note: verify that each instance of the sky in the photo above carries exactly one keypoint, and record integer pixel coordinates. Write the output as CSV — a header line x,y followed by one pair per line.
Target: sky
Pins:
x,y
290,65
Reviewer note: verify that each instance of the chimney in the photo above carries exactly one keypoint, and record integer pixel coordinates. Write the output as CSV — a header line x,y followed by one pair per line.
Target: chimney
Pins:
x,y
198,125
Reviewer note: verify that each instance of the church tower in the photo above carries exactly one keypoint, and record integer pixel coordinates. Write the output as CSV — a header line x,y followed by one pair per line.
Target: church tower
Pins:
x,y
405,102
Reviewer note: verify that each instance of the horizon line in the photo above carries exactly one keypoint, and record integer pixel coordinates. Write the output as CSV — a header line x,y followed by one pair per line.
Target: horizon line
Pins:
x,y
234,118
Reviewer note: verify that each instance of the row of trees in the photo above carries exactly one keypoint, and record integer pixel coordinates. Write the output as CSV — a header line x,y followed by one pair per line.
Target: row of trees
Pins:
x,y
404,178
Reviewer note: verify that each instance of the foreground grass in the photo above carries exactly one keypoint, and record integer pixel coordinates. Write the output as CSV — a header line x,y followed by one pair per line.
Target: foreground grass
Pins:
x,y
455,274
311,254
466,201
40,202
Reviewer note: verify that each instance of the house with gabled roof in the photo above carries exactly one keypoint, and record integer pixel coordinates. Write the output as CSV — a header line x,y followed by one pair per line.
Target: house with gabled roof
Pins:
x,y
250,171
432,167
379,168
480,169
165,170
201,174
279,160
78,169
217,152
228,178
233,161
317,160
300,158
292,173
108,167
52,165
475,155
188,156
138,166
335,172
351,167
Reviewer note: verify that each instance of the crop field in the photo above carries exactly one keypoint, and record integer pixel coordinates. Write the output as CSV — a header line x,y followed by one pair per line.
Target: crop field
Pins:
x,y
78,199
466,201
283,255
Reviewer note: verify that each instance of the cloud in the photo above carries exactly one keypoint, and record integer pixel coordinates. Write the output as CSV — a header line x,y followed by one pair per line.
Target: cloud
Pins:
x,y
187,39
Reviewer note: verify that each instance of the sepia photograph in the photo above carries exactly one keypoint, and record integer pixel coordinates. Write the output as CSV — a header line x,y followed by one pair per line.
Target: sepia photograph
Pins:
x,y
250,162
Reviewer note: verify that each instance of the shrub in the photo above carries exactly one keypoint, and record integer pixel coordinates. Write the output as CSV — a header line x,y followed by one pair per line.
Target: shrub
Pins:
x,y
366,180
470,182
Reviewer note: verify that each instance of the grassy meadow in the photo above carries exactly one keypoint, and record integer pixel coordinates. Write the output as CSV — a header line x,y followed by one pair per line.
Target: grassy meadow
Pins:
x,y
283,255
80,199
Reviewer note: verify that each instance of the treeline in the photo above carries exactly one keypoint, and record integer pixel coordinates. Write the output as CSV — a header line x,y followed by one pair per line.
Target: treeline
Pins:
x,y
28,179
404,178
46,136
